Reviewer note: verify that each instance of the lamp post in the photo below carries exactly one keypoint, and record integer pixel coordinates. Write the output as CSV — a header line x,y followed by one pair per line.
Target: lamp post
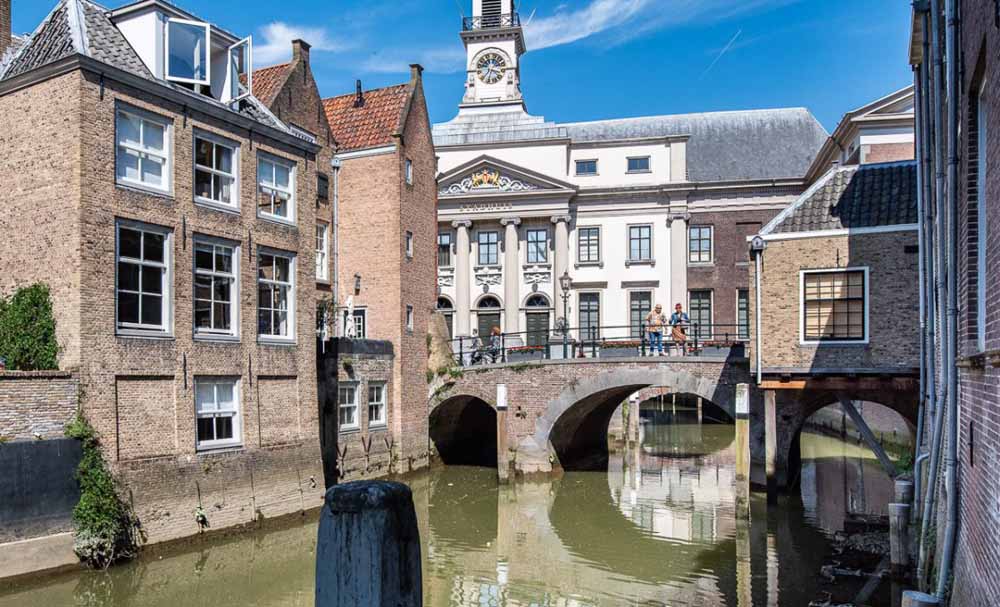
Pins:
x,y
565,282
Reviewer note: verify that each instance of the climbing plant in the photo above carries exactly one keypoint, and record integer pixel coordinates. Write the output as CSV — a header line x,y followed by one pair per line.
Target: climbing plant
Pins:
x,y
28,330
107,529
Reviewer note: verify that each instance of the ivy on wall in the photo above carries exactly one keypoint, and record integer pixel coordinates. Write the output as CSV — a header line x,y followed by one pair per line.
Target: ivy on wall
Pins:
x,y
28,330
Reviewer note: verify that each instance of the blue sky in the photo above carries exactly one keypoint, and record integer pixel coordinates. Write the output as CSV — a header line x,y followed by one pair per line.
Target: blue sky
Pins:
x,y
593,59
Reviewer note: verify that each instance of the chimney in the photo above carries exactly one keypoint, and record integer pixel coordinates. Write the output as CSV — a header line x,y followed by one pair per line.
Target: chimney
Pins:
x,y
5,24
359,95
300,49
416,71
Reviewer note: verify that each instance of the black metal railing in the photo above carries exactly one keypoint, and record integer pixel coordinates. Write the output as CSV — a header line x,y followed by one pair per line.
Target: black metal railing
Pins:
x,y
486,22
622,341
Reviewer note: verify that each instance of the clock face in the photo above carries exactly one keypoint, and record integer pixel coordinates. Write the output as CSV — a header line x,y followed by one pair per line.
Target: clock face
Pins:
x,y
490,68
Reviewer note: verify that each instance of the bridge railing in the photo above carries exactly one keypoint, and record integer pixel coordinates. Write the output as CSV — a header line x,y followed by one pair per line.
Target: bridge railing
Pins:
x,y
613,341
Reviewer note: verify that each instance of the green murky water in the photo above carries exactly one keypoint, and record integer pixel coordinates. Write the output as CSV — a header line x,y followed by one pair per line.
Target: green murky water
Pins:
x,y
657,529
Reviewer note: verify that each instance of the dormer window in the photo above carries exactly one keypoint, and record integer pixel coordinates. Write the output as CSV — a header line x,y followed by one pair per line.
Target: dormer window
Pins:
x,y
188,51
240,74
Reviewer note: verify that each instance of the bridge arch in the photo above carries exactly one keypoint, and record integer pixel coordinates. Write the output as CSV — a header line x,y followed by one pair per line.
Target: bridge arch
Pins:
x,y
575,423
463,429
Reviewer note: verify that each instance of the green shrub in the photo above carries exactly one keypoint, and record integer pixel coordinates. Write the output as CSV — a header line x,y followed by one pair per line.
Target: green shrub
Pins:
x,y
107,530
28,330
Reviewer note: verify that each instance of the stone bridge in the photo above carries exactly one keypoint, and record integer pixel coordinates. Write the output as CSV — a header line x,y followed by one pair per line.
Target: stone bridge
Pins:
x,y
557,412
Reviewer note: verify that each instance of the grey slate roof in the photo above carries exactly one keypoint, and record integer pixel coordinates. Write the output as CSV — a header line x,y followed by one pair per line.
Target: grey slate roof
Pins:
x,y
83,27
723,146
866,196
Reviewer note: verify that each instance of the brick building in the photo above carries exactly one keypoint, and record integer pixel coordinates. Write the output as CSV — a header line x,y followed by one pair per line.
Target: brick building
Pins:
x,y
968,269
173,217
834,288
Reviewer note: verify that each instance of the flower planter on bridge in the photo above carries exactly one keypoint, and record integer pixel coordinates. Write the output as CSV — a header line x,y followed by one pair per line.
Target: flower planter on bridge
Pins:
x,y
526,353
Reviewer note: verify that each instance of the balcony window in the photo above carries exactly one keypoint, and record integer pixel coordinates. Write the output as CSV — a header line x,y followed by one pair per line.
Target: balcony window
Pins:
x,y
215,171
188,44
240,69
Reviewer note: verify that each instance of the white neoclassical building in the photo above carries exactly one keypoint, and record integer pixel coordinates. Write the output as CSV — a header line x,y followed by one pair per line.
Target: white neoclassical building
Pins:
x,y
637,211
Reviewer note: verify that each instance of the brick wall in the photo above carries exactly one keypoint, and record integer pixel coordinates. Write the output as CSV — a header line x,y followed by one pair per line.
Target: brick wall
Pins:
x,y
5,19
370,451
36,404
894,323
40,167
887,152
977,557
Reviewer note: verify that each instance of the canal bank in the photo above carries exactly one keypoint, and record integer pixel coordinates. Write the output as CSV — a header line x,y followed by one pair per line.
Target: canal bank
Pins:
x,y
657,528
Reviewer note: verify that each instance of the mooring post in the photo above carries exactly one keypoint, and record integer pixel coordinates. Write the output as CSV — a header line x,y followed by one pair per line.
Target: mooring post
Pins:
x,y
368,549
899,538
503,461
771,444
743,450
744,577
699,410
903,491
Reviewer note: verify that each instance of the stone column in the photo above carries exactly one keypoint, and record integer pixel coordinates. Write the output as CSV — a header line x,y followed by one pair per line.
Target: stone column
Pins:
x,y
561,262
463,306
678,224
511,276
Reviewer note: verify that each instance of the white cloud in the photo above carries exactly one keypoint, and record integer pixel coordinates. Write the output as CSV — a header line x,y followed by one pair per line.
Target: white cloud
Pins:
x,y
567,26
277,41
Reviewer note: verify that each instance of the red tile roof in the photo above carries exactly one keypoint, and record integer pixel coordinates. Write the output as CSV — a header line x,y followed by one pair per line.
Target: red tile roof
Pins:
x,y
371,125
267,82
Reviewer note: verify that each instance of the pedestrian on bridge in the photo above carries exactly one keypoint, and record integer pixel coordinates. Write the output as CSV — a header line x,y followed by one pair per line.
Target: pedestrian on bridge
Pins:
x,y
679,321
655,321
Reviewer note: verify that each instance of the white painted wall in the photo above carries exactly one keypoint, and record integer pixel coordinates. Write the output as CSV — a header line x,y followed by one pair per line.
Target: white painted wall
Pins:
x,y
144,30
612,164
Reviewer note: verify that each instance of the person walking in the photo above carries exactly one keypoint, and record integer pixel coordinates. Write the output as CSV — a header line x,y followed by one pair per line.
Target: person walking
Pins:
x,y
655,322
679,322
496,344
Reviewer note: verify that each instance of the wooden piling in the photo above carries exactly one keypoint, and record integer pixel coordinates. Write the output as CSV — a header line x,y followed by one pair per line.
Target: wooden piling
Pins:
x,y
503,460
368,549
899,538
743,450
903,491
771,444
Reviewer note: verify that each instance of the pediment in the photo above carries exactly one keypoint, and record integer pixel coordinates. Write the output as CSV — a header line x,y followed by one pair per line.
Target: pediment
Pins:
x,y
486,175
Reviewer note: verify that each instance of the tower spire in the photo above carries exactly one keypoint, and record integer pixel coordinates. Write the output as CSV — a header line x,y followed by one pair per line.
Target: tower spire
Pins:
x,y
494,43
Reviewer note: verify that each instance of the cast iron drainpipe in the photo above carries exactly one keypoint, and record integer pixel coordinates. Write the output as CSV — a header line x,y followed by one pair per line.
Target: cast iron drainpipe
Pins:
x,y
921,279
335,164
951,337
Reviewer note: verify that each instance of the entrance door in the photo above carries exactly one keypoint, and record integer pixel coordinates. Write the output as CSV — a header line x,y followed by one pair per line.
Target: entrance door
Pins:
x,y
487,320
538,327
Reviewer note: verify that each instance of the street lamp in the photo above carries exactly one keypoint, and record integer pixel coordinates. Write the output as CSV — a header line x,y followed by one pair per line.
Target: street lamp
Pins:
x,y
565,282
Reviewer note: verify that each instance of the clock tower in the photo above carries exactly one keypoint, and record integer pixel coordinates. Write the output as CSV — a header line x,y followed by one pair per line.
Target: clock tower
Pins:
x,y
494,43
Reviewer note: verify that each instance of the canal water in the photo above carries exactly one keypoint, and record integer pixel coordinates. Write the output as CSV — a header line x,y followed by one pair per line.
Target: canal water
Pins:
x,y
657,529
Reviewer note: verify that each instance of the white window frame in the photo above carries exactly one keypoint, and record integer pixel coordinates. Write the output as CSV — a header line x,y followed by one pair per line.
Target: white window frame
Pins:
x,y
409,172
711,245
234,147
322,251
167,281
409,244
479,244
234,290
981,218
528,242
208,52
233,77
271,188
236,413
576,167
409,318
362,315
383,419
649,165
600,241
628,244
142,151
802,307
291,284
341,405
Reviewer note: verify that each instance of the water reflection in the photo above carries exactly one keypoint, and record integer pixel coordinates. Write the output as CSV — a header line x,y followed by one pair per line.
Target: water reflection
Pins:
x,y
657,529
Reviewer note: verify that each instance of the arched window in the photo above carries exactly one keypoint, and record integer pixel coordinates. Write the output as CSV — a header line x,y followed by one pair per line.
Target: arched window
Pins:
x,y
489,303
487,315
445,307
537,301
444,304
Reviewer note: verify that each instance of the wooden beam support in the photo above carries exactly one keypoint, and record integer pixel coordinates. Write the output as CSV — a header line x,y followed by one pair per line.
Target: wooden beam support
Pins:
x,y
841,383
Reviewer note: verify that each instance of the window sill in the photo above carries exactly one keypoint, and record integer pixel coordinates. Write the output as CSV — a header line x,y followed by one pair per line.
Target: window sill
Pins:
x,y
638,172
221,339
140,334
640,262
281,221
144,189
349,430
701,264
838,343
488,267
323,281
265,341
379,427
217,206
587,175
219,449
589,264
537,265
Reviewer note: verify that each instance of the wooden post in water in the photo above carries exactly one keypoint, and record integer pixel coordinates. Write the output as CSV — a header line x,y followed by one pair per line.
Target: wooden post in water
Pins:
x,y
743,451
699,410
744,577
503,461
899,538
771,444
368,549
